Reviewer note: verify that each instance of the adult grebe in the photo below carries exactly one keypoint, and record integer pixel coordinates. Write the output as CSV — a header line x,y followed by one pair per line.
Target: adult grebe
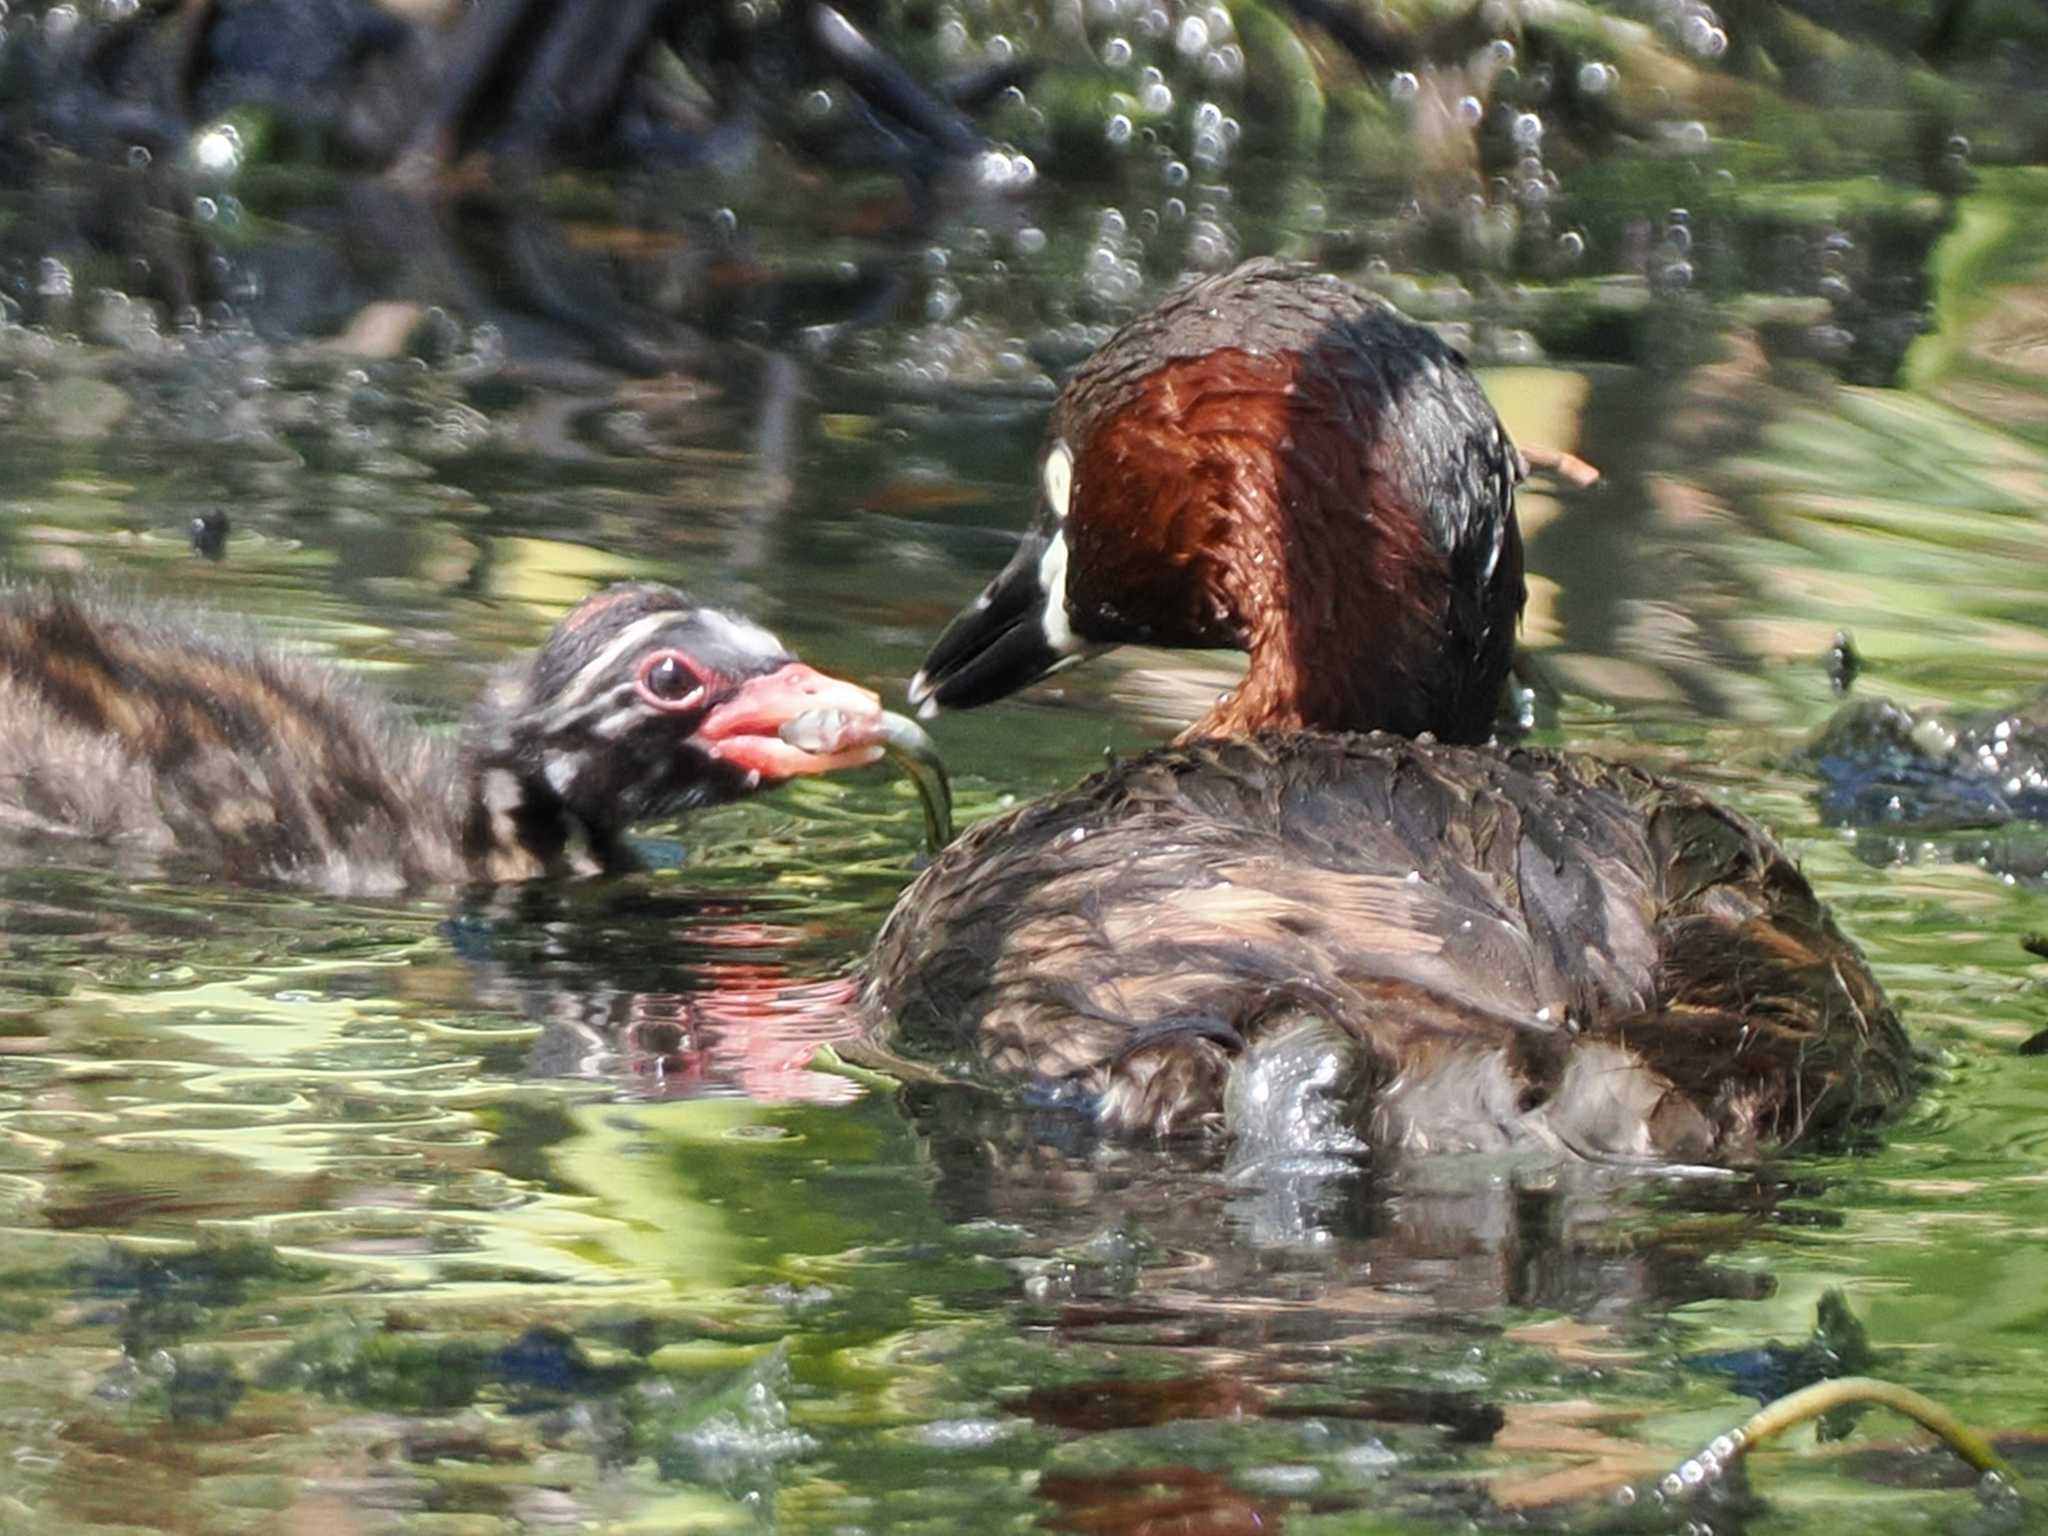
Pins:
x,y
1482,948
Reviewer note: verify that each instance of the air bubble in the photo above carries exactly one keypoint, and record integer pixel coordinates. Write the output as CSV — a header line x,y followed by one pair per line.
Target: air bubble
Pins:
x,y
1469,110
1528,129
1192,36
218,149
1118,129
1404,87
1116,53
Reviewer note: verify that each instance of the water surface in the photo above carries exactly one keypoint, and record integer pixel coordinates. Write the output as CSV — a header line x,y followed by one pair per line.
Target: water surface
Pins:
x,y
534,1212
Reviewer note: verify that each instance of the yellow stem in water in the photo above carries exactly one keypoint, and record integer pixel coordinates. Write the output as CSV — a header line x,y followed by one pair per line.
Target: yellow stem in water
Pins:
x,y
1775,1417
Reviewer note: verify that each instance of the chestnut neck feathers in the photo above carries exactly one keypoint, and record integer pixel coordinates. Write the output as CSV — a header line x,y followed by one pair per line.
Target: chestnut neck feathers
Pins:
x,y
1280,464
1285,465
140,727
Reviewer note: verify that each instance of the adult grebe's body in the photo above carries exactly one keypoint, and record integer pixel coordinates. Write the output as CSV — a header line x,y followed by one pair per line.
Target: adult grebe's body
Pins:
x,y
1509,947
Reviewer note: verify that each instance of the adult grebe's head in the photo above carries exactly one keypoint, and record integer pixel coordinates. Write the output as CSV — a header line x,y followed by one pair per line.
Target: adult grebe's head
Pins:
x,y
1278,463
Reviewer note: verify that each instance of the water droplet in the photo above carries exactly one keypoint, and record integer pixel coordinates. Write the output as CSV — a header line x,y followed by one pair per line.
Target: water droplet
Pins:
x,y
218,150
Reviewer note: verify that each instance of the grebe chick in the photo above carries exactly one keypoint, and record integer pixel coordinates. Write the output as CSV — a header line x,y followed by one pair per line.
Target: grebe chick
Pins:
x,y
140,726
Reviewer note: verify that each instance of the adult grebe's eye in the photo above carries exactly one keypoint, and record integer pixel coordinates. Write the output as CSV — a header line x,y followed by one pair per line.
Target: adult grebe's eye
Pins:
x,y
668,682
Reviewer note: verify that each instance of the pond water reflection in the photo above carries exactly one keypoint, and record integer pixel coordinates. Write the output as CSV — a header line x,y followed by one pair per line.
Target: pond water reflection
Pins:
x,y
536,1211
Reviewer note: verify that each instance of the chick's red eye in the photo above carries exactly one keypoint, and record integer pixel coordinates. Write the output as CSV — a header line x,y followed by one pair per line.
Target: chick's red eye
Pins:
x,y
667,681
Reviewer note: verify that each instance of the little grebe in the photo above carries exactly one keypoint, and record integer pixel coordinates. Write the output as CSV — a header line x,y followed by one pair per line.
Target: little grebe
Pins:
x,y
132,725
1516,948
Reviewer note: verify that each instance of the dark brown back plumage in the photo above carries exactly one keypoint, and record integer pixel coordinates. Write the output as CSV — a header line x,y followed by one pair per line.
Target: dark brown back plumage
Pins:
x,y
1534,949
121,723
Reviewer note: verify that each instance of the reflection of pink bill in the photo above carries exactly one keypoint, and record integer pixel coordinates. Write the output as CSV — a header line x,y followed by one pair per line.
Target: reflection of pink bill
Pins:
x,y
755,1030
